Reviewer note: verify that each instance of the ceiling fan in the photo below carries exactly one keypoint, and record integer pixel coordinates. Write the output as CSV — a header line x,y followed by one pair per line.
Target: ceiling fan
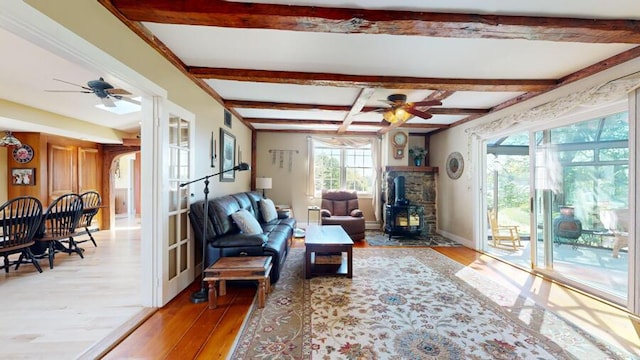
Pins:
x,y
102,89
400,110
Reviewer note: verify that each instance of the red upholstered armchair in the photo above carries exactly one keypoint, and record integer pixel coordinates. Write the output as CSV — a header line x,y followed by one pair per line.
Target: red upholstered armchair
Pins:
x,y
340,207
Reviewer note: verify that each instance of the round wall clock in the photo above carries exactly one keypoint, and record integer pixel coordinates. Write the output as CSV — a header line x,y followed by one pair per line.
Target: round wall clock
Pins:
x,y
23,154
399,141
454,165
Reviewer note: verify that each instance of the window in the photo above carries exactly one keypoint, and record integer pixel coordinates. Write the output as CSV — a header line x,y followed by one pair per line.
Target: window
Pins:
x,y
343,168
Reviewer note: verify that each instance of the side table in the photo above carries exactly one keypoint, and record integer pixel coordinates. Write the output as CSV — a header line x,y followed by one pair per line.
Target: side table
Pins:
x,y
311,209
238,268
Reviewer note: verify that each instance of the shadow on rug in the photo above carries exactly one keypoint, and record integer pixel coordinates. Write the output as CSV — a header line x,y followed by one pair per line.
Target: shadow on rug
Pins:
x,y
378,238
439,310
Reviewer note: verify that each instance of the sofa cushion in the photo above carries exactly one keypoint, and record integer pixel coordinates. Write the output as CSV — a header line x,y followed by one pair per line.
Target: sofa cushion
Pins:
x,y
268,210
247,223
356,213
240,239
221,209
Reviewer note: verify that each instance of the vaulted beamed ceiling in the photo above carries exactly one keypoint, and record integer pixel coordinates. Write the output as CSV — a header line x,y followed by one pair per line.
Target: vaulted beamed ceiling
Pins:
x,y
318,66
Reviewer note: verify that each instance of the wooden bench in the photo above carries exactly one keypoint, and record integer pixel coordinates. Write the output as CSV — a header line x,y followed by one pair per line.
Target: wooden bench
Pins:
x,y
238,268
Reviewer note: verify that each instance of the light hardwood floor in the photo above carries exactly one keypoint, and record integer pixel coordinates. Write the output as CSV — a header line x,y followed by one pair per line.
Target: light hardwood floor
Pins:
x,y
182,330
65,312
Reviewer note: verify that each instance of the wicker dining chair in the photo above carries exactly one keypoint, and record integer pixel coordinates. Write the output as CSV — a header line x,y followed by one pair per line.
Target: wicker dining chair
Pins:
x,y
19,221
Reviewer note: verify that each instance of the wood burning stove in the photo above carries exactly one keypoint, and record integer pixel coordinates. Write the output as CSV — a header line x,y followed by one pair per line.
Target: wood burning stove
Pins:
x,y
403,220
401,217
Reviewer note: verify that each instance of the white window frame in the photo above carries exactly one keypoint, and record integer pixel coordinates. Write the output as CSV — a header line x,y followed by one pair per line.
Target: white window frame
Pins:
x,y
342,178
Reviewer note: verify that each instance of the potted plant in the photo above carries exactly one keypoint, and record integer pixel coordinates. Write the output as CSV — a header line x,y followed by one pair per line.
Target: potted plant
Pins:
x,y
418,154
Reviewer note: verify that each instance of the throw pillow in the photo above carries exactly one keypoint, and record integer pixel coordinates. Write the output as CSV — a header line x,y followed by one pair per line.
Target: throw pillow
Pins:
x,y
268,210
246,222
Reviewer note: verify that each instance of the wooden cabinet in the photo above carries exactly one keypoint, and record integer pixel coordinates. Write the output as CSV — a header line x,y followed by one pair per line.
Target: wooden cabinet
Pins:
x,y
62,164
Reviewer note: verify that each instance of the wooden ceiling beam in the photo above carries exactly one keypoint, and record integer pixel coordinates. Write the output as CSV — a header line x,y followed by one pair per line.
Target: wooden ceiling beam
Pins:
x,y
393,22
319,132
358,105
312,122
371,81
243,104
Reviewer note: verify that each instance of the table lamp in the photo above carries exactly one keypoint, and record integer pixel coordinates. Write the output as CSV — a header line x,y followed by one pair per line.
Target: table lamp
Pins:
x,y
263,183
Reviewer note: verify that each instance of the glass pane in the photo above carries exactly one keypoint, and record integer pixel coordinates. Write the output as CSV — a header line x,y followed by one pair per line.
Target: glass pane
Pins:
x,y
616,127
173,130
173,264
172,230
586,131
183,257
184,133
173,163
173,196
183,226
576,156
184,164
614,154
184,200
577,193
327,168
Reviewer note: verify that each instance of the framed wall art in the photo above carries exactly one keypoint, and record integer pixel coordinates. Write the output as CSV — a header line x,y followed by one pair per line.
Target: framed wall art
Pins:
x,y
23,176
227,118
454,165
227,155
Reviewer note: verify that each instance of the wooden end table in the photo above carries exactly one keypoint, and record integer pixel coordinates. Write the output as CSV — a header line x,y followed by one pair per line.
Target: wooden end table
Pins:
x,y
327,239
238,268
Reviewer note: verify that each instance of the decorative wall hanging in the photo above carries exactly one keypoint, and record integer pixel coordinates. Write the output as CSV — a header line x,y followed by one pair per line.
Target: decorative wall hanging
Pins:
x,y
454,165
280,153
23,176
213,151
228,155
227,118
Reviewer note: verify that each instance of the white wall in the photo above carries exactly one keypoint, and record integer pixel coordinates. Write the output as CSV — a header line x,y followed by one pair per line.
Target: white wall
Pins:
x,y
289,187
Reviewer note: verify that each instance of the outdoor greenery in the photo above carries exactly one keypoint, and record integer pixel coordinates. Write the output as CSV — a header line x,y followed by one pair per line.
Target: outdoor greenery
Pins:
x,y
591,157
347,168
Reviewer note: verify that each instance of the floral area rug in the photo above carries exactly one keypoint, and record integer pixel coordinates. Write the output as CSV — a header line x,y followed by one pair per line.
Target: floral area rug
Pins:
x,y
406,303
378,238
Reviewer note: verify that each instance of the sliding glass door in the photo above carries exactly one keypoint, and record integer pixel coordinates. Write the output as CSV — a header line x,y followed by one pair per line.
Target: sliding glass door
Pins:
x,y
507,197
581,202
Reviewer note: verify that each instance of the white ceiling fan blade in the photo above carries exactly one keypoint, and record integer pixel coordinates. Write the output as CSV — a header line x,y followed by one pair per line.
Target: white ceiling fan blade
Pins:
x,y
108,102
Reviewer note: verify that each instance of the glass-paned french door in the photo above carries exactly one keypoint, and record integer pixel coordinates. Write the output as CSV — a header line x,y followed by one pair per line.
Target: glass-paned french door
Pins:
x,y
178,249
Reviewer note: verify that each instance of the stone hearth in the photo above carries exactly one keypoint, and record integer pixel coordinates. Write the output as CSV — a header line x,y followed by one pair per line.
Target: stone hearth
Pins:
x,y
420,189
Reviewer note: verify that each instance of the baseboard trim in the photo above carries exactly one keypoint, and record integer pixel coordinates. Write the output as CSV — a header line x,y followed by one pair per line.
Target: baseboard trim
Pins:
x,y
464,242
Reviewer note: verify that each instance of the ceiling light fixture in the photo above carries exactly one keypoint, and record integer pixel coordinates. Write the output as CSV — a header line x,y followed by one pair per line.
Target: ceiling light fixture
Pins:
x,y
9,140
396,115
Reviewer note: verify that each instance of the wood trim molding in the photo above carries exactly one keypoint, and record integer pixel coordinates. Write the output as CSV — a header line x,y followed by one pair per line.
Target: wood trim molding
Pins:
x,y
425,169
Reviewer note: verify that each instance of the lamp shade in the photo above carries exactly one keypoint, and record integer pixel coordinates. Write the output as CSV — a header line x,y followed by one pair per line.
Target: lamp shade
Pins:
x,y
396,115
263,183
9,140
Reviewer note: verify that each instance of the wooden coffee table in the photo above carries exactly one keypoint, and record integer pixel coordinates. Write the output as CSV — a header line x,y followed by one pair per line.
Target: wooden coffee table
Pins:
x,y
327,239
238,268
